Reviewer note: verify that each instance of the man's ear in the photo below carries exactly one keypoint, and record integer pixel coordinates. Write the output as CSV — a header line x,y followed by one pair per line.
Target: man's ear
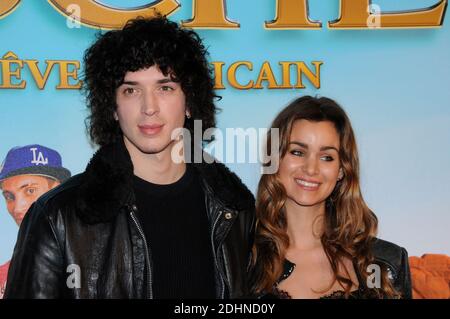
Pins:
x,y
341,174
56,183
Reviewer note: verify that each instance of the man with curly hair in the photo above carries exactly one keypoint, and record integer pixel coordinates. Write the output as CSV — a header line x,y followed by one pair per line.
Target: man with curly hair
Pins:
x,y
137,223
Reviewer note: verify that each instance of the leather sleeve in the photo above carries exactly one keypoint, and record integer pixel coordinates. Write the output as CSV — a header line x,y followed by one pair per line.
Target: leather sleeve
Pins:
x,y
36,269
403,280
250,234
251,229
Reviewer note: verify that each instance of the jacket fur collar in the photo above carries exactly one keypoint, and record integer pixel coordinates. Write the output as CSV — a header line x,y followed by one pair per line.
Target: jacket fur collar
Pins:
x,y
107,185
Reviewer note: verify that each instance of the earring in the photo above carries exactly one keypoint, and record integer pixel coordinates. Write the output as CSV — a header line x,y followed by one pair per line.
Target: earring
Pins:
x,y
341,175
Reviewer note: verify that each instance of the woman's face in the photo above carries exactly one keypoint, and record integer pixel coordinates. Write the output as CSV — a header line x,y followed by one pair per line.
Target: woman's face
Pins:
x,y
310,168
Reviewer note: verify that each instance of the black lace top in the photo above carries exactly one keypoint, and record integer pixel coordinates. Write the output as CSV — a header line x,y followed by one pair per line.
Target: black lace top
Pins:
x,y
289,267
338,294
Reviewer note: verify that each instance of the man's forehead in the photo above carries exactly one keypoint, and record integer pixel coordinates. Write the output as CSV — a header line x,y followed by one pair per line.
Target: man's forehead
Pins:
x,y
21,180
151,73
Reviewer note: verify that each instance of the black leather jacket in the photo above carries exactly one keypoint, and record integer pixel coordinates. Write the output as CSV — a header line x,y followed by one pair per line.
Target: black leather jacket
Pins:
x,y
395,259
387,255
89,224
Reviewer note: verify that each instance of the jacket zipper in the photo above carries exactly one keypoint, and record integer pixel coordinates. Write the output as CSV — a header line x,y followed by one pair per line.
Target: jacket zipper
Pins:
x,y
147,255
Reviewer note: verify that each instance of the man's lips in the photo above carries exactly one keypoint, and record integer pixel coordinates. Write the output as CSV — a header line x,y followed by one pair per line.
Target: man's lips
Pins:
x,y
150,129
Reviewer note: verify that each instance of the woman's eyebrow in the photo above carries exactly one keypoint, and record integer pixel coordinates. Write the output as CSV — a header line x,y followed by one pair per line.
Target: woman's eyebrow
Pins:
x,y
299,144
326,148
323,148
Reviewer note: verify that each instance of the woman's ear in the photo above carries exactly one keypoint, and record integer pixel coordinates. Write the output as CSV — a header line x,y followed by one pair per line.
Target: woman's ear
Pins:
x,y
341,174
188,114
116,117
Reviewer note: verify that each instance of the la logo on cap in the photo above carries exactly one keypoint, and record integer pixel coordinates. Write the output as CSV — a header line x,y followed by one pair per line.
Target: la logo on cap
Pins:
x,y
40,159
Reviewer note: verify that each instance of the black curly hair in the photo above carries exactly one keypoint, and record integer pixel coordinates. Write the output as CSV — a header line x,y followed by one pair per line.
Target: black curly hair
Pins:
x,y
143,43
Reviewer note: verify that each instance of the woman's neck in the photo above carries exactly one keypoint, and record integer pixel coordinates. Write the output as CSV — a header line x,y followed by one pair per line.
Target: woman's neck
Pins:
x,y
304,225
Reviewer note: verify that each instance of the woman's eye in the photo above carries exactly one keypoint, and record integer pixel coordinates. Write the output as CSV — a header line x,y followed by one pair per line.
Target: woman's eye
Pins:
x,y
327,158
297,153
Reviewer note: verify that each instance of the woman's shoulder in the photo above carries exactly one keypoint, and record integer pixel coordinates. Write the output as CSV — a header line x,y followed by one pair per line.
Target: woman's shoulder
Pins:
x,y
395,258
389,253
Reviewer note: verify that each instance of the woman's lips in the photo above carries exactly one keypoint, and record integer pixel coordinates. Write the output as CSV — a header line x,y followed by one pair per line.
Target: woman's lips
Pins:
x,y
150,129
307,185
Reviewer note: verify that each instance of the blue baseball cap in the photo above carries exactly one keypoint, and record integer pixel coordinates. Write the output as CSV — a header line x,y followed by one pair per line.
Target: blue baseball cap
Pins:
x,y
34,160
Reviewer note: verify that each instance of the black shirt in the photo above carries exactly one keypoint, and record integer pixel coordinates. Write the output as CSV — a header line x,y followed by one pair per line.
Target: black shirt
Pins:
x,y
175,224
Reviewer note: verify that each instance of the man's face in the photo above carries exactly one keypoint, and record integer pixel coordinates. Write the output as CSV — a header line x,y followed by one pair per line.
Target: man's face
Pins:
x,y
23,190
149,107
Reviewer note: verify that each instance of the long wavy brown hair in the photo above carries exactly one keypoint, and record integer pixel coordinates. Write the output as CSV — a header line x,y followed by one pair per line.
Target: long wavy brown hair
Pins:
x,y
349,225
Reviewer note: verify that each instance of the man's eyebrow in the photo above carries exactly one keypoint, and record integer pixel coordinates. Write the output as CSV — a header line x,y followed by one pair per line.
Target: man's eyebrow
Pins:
x,y
27,185
160,81
165,80
323,148
130,82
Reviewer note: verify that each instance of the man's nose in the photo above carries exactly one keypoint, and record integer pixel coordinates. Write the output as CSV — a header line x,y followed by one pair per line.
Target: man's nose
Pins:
x,y
21,205
150,104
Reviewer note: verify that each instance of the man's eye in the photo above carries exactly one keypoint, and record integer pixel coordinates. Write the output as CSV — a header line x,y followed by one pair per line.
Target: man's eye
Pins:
x,y
167,88
129,91
31,191
8,197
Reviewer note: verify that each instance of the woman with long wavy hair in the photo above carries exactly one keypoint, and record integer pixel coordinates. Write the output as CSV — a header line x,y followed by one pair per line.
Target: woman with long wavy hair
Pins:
x,y
315,235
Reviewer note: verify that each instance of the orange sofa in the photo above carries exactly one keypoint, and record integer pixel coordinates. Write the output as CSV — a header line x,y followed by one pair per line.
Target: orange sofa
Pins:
x,y
430,275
